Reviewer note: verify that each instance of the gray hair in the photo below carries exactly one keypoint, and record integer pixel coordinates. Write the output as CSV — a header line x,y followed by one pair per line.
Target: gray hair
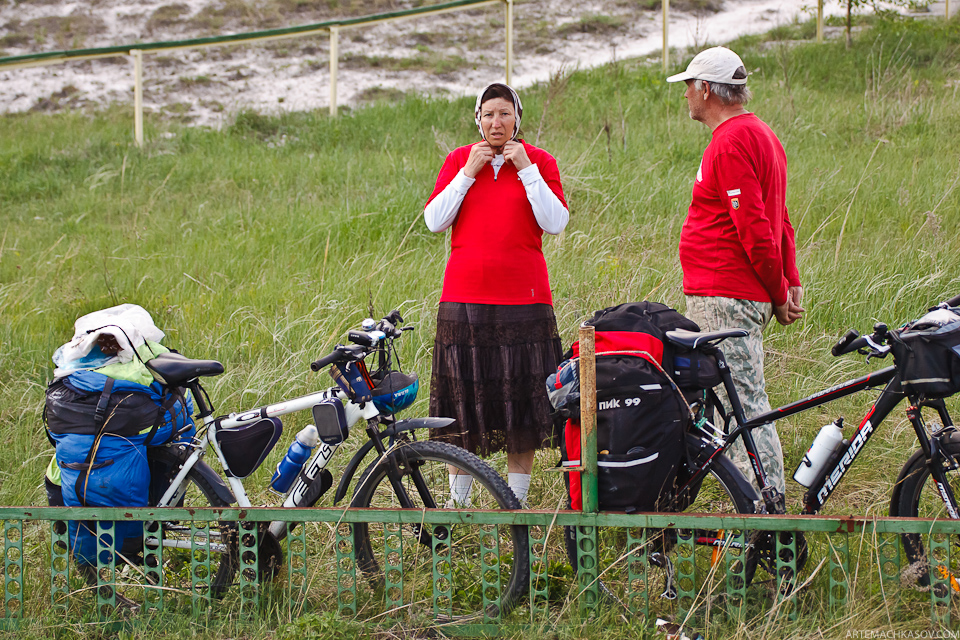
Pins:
x,y
728,93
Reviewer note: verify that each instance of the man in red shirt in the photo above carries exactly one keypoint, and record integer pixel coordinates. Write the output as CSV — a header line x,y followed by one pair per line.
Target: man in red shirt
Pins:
x,y
737,247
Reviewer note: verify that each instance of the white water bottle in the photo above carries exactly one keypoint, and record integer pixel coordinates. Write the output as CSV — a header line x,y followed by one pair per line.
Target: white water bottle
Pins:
x,y
826,442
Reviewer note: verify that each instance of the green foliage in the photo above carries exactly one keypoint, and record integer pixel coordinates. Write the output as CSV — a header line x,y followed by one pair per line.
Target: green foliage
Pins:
x,y
259,245
313,626
597,23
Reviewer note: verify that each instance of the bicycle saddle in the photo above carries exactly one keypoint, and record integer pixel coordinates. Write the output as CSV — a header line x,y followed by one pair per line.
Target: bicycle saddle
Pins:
x,y
695,339
174,370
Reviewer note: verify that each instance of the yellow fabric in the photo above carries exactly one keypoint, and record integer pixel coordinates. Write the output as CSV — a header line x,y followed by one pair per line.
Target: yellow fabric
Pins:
x,y
53,471
135,371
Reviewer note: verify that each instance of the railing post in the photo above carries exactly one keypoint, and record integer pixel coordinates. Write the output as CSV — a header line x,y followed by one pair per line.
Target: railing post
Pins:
x,y
666,35
588,556
820,21
588,418
509,35
946,10
137,96
334,55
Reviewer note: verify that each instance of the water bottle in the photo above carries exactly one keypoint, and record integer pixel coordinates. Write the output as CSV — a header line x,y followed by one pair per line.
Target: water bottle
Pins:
x,y
822,449
289,468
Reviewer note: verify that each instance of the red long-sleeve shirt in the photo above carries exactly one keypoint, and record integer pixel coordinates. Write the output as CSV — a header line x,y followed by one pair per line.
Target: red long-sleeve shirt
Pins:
x,y
496,250
737,240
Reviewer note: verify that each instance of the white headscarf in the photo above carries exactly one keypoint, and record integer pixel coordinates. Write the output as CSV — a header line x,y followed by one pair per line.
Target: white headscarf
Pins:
x,y
517,108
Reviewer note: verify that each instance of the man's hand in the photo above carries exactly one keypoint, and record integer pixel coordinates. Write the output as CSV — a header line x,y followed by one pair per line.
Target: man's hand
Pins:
x,y
795,294
480,154
790,311
514,152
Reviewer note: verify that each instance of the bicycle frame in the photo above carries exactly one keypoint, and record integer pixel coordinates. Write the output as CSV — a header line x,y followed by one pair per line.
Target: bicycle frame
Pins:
x,y
319,460
833,473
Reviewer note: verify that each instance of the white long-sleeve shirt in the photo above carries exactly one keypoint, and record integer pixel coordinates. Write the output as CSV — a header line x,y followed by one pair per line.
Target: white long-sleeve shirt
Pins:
x,y
549,212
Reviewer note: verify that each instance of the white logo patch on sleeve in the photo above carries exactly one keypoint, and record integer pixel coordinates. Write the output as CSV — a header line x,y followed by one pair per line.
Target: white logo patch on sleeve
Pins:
x,y
733,192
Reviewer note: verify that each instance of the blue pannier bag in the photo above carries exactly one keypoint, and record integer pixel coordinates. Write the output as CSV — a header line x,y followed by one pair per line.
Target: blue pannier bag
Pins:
x,y
102,428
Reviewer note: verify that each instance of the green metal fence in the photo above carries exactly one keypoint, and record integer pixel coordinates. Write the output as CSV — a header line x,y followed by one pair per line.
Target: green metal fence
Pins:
x,y
848,558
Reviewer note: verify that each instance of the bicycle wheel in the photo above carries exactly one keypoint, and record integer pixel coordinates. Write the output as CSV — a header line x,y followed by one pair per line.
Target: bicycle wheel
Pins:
x,y
485,567
702,560
213,556
919,497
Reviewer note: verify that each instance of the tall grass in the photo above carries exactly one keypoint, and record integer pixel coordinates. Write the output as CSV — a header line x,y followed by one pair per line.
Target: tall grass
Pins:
x,y
259,245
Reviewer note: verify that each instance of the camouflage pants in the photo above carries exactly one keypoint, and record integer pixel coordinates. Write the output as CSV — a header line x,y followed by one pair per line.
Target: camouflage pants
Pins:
x,y
745,358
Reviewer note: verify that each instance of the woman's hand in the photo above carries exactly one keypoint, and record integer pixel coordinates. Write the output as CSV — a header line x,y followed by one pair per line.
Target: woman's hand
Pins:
x,y
480,154
514,152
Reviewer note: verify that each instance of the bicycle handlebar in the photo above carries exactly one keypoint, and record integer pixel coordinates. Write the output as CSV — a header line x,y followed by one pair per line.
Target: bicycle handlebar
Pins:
x,y
846,343
873,345
953,302
327,359
362,340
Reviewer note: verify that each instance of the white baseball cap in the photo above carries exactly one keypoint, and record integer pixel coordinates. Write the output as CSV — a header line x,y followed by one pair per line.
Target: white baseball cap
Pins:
x,y
717,64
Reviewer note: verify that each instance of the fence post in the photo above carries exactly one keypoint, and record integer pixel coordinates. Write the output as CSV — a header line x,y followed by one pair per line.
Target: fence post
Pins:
x,y
666,35
509,35
334,55
946,10
137,96
820,21
588,555
588,418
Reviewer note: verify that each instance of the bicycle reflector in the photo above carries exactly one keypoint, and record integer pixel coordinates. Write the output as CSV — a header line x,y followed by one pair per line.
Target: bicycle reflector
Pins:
x,y
396,392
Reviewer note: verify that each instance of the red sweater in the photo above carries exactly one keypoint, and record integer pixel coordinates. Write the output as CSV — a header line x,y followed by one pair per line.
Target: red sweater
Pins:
x,y
496,254
737,241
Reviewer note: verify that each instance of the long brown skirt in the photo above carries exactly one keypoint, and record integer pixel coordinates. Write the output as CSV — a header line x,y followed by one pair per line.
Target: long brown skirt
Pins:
x,y
490,363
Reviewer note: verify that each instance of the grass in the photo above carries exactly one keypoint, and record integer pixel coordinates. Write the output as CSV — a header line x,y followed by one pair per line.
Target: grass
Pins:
x,y
260,245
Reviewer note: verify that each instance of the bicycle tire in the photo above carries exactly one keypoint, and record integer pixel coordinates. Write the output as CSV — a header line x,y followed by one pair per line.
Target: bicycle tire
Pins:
x,y
718,493
489,491
222,538
919,497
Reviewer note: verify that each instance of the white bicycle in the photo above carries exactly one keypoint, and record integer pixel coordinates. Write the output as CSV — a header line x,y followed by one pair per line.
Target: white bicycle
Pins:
x,y
406,472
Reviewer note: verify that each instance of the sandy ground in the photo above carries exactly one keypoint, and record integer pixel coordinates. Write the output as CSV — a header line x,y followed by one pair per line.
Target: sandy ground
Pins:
x,y
451,54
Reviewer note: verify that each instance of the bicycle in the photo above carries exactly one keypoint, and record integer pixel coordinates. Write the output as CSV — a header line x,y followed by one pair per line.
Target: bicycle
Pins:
x,y
922,487
407,473
709,482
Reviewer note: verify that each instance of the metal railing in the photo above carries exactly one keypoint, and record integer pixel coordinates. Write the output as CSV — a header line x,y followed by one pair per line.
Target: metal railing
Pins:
x,y
330,27
616,567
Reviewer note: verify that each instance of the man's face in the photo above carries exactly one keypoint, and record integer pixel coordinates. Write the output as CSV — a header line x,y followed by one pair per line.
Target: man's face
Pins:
x,y
695,101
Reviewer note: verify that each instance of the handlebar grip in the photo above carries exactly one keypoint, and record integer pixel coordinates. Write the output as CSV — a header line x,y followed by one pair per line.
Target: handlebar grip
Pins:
x,y
325,360
843,345
954,301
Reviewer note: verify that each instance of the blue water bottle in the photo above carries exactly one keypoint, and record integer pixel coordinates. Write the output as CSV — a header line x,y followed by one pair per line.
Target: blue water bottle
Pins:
x,y
289,468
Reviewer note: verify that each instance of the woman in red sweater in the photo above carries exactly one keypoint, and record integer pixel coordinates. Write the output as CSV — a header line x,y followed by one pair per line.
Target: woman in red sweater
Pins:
x,y
497,337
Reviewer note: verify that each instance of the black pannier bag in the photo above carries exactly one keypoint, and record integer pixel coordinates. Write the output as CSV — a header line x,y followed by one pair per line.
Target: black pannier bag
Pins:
x,y
641,414
927,354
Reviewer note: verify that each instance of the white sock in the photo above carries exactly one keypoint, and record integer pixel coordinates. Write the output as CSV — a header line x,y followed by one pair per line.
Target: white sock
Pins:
x,y
520,484
460,485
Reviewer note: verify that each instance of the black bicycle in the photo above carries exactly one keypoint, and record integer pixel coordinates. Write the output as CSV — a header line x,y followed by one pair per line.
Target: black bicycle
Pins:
x,y
924,375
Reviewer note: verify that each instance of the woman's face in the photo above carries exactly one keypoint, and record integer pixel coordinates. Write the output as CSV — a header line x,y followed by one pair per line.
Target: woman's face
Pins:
x,y
497,120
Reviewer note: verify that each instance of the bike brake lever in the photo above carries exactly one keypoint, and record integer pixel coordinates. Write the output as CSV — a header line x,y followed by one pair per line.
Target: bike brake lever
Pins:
x,y
876,350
